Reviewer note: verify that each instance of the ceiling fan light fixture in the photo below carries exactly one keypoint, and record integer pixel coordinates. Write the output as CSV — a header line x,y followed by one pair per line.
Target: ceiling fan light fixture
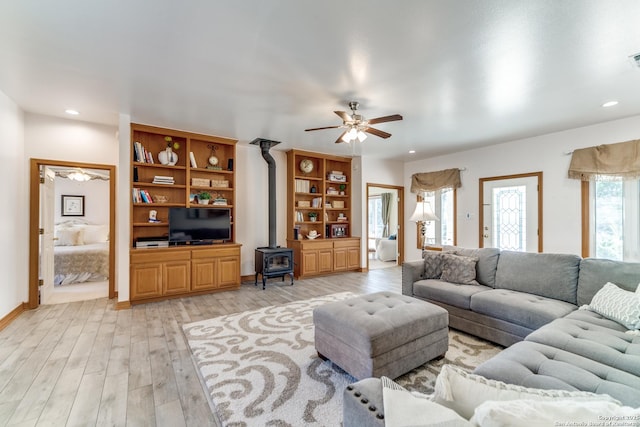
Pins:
x,y
361,136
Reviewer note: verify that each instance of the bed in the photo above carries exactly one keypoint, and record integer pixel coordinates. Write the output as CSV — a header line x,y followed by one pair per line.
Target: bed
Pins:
x,y
81,253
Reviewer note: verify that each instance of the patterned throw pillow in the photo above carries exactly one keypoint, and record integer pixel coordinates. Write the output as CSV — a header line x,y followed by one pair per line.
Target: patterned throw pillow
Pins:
x,y
432,264
459,269
618,305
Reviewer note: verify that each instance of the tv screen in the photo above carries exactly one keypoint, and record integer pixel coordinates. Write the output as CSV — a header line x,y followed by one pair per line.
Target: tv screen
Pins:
x,y
199,225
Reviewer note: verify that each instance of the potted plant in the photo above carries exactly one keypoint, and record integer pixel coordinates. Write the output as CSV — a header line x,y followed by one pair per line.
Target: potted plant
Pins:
x,y
313,216
342,188
204,198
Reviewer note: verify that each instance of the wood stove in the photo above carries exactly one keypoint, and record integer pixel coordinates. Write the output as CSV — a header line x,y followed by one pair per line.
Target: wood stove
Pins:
x,y
272,261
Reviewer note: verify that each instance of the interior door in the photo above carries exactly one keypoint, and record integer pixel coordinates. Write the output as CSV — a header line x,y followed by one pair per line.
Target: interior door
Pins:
x,y
47,204
510,213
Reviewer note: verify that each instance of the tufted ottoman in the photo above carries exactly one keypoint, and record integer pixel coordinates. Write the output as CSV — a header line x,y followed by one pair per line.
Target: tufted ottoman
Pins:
x,y
380,334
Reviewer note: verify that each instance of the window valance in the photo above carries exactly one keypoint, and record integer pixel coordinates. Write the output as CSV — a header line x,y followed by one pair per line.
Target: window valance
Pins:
x,y
432,181
607,161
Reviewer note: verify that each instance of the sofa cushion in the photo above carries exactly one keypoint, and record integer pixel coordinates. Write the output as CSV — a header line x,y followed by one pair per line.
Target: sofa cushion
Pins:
x,y
594,273
611,347
548,275
618,305
521,308
537,365
595,319
459,269
487,262
448,293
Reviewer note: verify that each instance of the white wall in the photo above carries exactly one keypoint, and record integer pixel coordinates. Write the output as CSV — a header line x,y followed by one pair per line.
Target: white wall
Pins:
x,y
14,247
561,196
96,199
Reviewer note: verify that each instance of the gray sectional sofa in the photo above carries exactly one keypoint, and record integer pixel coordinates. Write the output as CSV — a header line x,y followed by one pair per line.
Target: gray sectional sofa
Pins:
x,y
529,303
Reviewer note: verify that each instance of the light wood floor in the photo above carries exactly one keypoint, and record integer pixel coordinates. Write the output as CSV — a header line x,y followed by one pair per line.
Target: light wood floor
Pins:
x,y
86,364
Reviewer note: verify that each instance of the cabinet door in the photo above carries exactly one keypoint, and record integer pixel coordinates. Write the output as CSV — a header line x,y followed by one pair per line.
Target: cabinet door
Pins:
x,y
353,258
146,280
325,258
339,259
228,271
309,262
177,277
204,274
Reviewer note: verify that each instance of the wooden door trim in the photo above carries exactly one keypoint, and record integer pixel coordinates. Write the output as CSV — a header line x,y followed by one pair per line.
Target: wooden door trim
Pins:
x,y
503,177
34,221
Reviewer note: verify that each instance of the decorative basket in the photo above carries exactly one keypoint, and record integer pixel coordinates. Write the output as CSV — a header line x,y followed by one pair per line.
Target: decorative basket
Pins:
x,y
304,204
200,182
339,204
221,183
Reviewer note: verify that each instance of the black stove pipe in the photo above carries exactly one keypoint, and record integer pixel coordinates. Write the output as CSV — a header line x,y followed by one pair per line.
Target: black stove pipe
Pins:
x,y
265,146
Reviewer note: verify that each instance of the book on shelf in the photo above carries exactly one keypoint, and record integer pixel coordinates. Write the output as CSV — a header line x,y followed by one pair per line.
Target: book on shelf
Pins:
x,y
302,186
141,154
159,179
141,196
192,158
316,202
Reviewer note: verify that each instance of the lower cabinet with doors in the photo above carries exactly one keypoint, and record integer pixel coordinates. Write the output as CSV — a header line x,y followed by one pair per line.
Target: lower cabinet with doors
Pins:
x,y
160,273
321,256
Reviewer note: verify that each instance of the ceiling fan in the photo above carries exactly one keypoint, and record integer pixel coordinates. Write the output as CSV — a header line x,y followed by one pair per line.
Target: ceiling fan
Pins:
x,y
356,125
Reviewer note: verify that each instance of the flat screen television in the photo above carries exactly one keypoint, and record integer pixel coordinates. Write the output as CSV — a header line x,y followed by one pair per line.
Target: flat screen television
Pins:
x,y
199,225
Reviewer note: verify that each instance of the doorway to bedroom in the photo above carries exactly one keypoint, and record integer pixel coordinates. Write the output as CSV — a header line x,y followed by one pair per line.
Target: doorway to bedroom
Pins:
x,y
71,241
384,226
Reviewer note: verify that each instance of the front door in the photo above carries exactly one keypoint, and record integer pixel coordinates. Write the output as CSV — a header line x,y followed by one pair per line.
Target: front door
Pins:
x,y
510,209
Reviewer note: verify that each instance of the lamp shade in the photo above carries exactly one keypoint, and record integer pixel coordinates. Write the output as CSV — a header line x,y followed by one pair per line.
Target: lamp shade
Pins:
x,y
423,213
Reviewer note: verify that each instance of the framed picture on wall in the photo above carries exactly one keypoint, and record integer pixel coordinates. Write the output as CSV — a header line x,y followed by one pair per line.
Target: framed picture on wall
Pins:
x,y
72,205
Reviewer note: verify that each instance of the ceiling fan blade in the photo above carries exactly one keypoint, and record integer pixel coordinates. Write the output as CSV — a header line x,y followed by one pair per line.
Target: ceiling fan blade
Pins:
x,y
343,115
391,118
339,140
326,127
377,132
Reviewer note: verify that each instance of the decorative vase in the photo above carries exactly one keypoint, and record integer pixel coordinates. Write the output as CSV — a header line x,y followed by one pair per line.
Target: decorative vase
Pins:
x,y
168,157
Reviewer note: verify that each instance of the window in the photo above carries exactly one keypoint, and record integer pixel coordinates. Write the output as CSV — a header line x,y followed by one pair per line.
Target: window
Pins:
x,y
614,219
442,232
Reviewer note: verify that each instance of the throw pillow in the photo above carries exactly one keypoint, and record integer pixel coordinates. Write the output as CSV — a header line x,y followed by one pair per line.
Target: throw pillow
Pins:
x,y
392,237
565,412
463,392
432,264
69,237
618,305
459,269
405,409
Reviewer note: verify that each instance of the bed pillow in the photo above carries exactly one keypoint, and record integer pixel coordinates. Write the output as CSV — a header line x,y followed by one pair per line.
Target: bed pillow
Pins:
x,y
463,392
69,237
618,305
552,413
95,233
459,269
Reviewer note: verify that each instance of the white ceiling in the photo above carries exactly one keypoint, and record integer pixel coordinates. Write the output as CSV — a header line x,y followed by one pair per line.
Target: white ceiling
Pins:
x,y
463,73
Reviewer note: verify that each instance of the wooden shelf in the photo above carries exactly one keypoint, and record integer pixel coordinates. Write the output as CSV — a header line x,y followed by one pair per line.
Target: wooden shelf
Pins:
x,y
328,253
159,166
151,184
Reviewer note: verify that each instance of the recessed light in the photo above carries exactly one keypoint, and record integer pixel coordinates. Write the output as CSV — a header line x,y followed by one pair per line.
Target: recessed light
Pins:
x,y
72,112
412,151
610,104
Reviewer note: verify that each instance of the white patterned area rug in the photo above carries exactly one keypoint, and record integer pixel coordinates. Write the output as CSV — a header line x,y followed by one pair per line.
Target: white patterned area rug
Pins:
x,y
260,367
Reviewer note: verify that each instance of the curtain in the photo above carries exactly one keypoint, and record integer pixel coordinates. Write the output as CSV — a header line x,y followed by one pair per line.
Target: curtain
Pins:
x,y
386,212
610,161
432,181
